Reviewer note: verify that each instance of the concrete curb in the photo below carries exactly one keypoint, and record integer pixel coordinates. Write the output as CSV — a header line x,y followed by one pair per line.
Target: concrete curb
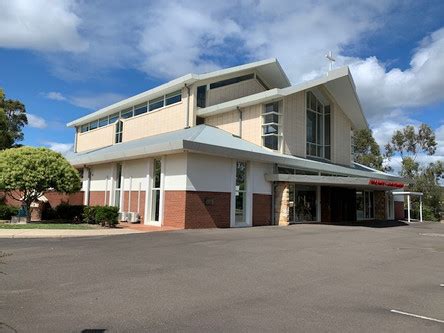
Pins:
x,y
62,233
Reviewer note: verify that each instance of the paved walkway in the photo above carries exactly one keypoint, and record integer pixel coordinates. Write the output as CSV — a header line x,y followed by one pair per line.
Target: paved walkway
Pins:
x,y
123,229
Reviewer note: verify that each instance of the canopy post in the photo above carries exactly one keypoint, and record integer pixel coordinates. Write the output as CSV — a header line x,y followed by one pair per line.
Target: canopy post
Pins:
x,y
408,208
420,208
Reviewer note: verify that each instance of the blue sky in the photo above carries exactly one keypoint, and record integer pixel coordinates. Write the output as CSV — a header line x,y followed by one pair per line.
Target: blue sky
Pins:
x,y
85,55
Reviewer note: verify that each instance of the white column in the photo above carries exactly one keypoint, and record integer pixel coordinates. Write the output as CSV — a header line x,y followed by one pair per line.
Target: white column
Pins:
x,y
420,208
87,186
408,207
318,204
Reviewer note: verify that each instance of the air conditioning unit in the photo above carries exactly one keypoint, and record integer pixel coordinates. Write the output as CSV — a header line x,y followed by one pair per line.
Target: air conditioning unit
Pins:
x,y
133,217
123,216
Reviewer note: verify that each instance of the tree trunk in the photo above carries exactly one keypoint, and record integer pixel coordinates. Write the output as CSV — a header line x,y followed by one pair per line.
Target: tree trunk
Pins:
x,y
28,213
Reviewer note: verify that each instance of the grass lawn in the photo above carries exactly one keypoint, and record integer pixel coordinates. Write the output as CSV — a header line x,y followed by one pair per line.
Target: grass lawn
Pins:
x,y
46,225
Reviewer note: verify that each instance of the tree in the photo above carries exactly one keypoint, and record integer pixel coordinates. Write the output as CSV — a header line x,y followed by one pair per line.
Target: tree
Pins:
x,y
365,149
26,173
12,120
408,143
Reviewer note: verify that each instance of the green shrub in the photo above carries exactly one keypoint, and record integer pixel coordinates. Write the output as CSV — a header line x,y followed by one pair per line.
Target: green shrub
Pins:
x,y
7,211
107,215
104,215
65,211
48,213
89,215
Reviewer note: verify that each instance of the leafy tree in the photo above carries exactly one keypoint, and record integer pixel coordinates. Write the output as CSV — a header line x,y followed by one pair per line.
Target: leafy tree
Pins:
x,y
26,173
12,120
365,149
408,143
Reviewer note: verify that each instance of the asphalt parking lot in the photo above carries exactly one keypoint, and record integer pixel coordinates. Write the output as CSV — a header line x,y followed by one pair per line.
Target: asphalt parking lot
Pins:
x,y
299,278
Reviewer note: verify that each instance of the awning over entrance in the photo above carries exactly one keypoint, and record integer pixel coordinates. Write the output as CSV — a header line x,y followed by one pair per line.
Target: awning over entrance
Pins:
x,y
408,194
355,182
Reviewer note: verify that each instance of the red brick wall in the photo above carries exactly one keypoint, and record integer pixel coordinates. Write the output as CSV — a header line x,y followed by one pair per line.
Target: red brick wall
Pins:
x,y
399,210
261,209
134,203
207,210
97,198
194,209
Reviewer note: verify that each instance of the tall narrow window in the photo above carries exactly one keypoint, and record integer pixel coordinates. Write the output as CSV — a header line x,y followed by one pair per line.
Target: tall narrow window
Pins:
x,y
241,192
318,128
155,190
118,188
119,131
271,127
201,96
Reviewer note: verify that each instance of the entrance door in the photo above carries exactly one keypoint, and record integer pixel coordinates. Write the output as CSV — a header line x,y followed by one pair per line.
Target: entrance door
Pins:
x,y
302,207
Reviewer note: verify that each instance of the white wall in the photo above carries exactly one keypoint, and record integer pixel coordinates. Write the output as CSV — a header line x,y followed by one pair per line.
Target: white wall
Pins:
x,y
176,172
98,176
137,170
258,171
209,173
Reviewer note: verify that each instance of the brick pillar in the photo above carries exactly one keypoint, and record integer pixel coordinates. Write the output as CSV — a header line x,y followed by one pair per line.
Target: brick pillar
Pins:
x,y
282,198
380,205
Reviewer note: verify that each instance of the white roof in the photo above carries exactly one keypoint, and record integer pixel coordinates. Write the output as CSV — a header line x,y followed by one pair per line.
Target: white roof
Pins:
x,y
210,140
270,70
338,82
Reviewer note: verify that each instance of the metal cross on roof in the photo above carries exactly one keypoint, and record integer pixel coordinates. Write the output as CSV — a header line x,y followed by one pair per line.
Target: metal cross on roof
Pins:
x,y
330,58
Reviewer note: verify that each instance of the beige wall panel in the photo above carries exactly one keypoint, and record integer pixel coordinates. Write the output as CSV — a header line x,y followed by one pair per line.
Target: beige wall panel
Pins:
x,y
228,121
293,126
341,137
100,137
233,91
252,124
156,122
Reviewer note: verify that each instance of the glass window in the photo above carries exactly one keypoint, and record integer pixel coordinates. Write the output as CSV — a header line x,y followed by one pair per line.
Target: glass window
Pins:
x,y
103,121
93,124
318,132
119,131
84,128
118,185
271,118
201,96
241,192
156,103
271,141
125,114
174,97
272,107
113,118
155,204
140,109
233,80
270,128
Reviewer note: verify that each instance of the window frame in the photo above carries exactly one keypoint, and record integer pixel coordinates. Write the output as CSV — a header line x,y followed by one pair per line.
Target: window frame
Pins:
x,y
266,124
319,141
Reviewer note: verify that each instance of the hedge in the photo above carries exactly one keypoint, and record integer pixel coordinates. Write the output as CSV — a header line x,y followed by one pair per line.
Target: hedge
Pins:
x,y
104,215
6,212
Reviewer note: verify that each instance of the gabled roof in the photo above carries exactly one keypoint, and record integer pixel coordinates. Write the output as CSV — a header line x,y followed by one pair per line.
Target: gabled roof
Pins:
x,y
338,82
270,70
212,141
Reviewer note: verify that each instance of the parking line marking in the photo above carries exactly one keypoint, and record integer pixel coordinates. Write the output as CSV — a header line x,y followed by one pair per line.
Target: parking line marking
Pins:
x,y
417,316
441,285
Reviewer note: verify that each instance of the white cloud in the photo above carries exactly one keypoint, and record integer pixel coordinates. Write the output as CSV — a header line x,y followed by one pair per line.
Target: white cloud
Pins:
x,y
41,25
88,101
95,101
62,148
36,121
54,95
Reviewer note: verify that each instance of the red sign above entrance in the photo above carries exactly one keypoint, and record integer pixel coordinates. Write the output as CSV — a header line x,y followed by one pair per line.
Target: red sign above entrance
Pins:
x,y
385,183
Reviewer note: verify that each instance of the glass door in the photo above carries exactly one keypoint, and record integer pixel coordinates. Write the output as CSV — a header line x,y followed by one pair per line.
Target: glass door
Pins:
x,y
302,203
